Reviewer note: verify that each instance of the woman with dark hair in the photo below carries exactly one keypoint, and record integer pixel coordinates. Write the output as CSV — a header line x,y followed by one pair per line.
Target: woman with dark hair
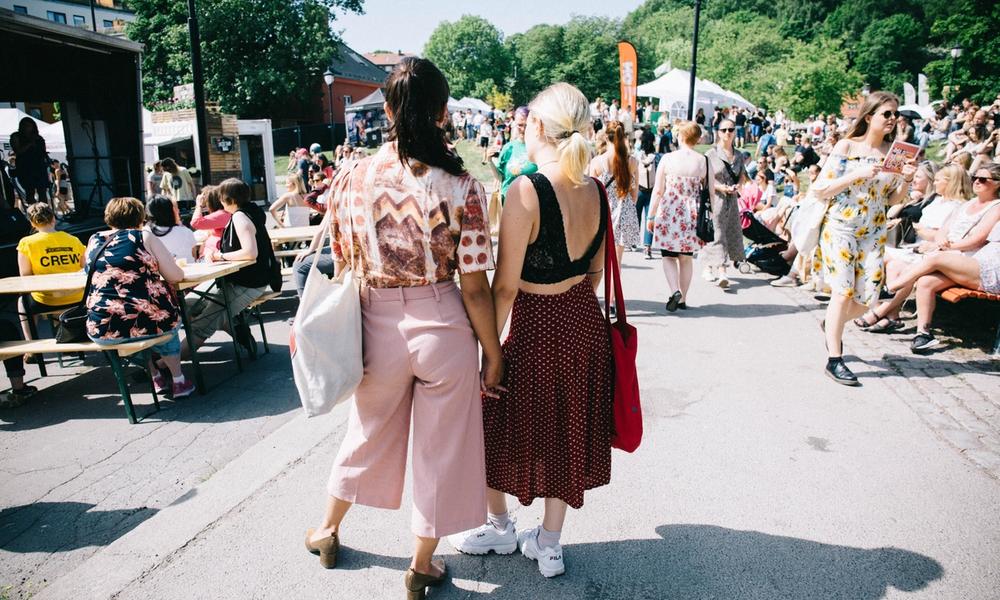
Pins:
x,y
32,173
852,243
208,215
618,171
165,223
730,174
647,176
407,220
245,238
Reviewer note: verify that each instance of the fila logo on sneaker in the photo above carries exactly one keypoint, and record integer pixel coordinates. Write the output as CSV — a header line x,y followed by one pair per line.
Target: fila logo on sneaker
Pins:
x,y
556,557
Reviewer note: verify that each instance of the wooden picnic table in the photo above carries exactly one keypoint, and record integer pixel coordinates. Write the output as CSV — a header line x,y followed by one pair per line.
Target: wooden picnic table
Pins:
x,y
283,235
194,274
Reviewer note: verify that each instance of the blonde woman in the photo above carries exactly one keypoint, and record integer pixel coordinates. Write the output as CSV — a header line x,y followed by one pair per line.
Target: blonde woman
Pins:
x,y
852,244
548,435
674,213
954,187
293,201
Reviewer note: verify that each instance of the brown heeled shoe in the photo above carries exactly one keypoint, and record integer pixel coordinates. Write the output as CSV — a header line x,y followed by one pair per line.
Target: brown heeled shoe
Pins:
x,y
416,583
326,549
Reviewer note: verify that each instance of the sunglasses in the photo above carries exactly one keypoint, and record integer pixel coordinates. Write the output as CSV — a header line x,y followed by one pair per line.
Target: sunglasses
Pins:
x,y
890,114
727,129
978,179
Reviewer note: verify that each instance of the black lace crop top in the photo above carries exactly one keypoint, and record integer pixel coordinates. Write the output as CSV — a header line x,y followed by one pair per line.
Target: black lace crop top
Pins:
x,y
547,258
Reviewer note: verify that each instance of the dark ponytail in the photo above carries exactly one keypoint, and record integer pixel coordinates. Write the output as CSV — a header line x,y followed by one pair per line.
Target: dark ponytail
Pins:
x,y
417,92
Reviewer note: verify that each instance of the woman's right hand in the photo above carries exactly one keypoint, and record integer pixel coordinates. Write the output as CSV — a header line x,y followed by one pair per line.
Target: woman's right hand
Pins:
x,y
301,256
866,171
649,225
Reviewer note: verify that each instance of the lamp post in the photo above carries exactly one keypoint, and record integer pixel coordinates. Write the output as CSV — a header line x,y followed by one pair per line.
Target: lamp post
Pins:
x,y
199,93
694,59
865,90
329,79
956,53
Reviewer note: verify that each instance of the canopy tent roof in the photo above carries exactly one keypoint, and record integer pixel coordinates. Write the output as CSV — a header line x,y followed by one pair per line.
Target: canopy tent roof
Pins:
x,y
673,87
925,112
474,104
372,101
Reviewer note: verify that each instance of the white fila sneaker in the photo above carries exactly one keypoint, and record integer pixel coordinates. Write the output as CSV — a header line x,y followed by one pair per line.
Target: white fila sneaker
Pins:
x,y
484,538
550,560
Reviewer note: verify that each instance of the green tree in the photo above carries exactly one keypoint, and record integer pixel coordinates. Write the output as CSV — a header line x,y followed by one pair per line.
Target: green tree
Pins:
x,y
890,52
972,24
471,54
591,56
252,66
538,55
807,87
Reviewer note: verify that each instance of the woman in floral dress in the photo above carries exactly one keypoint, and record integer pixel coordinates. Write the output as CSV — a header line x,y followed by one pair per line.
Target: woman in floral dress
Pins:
x,y
674,212
852,242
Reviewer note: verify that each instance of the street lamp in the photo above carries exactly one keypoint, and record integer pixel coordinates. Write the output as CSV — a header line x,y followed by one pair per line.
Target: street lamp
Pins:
x,y
329,79
865,90
694,59
956,53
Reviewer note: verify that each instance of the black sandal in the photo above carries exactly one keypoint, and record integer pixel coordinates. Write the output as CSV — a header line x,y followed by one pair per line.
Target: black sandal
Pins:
x,y
886,325
862,322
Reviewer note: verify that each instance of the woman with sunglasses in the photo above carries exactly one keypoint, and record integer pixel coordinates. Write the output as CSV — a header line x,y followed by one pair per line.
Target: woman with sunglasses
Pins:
x,y
730,174
852,243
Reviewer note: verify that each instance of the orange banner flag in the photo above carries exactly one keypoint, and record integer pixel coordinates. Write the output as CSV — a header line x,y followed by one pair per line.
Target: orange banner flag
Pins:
x,y
628,69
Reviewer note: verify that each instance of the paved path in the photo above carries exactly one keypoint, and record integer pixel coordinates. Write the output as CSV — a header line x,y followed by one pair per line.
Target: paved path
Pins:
x,y
757,478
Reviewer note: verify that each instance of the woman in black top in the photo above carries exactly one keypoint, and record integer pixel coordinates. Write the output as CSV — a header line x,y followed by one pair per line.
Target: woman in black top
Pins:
x,y
32,172
245,238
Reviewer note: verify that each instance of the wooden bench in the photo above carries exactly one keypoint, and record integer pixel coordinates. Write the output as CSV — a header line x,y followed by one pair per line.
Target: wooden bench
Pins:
x,y
254,309
113,354
957,294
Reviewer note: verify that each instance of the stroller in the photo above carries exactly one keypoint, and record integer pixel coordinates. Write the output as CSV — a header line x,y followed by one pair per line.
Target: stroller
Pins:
x,y
764,248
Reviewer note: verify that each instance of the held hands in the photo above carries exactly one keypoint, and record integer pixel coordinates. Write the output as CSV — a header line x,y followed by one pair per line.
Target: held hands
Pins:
x,y
491,376
649,225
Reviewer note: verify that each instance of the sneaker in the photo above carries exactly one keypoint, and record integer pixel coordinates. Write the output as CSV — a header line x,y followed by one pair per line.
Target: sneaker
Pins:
x,y
15,398
786,281
709,275
550,560
160,383
182,389
809,286
923,342
485,538
723,282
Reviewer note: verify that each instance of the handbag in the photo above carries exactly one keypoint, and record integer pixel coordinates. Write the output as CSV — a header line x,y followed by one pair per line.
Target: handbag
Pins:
x,y
704,228
807,222
627,409
72,325
325,342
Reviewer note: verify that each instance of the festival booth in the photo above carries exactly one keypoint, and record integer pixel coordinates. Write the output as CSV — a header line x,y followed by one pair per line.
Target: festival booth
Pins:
x,y
240,148
671,90
475,105
366,121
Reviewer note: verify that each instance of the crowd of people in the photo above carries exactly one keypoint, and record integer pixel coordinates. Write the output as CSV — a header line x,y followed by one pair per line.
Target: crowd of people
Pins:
x,y
29,174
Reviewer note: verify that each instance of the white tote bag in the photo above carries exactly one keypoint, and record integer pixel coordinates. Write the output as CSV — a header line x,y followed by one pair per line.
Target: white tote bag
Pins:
x,y
326,337
806,223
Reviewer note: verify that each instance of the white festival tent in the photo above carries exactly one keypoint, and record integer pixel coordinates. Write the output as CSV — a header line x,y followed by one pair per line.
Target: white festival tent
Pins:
x,y
55,137
475,104
671,91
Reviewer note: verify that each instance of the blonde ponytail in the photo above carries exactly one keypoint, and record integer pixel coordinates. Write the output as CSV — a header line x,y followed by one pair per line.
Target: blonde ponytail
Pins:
x,y
565,116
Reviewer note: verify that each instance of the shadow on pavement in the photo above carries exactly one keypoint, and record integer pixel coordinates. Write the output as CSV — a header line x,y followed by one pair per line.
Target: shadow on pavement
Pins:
x,y
64,526
932,368
690,562
645,308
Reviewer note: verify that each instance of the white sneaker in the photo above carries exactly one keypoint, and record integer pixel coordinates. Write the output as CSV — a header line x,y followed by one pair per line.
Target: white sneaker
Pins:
x,y
708,275
484,538
786,281
550,560
723,282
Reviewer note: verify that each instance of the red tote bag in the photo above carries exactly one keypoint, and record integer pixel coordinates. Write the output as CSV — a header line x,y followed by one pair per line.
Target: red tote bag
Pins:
x,y
624,345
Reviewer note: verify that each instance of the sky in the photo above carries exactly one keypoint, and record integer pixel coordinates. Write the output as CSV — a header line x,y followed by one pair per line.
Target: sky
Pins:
x,y
406,24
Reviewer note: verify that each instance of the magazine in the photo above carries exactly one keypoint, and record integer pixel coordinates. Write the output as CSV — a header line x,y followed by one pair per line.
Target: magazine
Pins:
x,y
899,154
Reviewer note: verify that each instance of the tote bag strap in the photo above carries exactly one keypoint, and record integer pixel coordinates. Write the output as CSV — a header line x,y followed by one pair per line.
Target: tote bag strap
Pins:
x,y
612,274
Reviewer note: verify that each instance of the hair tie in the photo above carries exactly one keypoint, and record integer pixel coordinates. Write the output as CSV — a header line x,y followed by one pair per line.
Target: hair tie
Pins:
x,y
567,134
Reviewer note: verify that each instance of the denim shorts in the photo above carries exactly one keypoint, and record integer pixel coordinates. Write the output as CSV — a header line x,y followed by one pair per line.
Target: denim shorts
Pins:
x,y
171,347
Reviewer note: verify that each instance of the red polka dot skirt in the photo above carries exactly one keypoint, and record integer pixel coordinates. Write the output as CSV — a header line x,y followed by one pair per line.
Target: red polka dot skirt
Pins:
x,y
549,435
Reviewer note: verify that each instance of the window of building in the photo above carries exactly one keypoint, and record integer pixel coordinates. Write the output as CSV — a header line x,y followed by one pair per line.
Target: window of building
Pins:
x,y
79,21
56,17
348,100
21,10
108,24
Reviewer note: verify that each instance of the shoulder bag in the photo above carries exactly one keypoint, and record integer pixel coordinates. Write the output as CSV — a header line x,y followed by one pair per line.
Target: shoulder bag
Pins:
x,y
624,346
704,228
325,342
72,326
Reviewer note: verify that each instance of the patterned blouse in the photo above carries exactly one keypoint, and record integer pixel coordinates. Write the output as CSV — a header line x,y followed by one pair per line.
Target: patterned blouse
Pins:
x,y
410,227
128,298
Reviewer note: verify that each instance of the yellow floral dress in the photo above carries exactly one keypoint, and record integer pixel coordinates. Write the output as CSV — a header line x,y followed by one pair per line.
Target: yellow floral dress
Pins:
x,y
852,243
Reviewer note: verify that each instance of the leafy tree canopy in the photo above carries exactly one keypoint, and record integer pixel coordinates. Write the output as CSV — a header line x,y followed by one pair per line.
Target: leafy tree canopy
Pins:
x,y
472,55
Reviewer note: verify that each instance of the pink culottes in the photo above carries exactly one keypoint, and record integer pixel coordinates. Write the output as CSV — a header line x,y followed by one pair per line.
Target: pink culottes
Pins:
x,y
422,364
